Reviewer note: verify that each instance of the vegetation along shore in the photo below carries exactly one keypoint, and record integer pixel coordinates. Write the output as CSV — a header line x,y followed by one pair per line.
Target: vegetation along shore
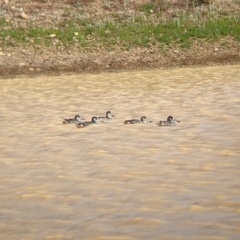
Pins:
x,y
91,36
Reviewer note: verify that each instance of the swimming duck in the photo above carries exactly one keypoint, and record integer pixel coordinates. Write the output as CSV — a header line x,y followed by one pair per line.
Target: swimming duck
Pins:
x,y
85,124
108,117
169,123
76,119
136,121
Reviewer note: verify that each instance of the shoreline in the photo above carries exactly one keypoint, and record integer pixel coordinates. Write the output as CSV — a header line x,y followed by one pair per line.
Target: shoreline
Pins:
x,y
25,63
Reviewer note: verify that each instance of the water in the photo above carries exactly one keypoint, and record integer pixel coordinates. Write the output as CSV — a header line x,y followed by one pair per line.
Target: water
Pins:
x,y
116,181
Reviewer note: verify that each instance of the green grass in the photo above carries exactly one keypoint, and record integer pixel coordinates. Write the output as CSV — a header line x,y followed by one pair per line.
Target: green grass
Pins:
x,y
147,8
136,31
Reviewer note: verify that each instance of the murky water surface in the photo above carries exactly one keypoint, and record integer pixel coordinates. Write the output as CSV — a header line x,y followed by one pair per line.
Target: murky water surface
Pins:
x,y
116,181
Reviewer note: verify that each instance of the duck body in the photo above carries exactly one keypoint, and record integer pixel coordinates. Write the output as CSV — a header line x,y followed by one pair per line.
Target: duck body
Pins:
x,y
108,117
166,123
136,121
76,119
86,124
171,122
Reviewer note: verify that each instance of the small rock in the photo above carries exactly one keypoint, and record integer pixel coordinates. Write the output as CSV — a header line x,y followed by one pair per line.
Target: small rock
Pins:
x,y
52,35
31,69
23,15
216,49
1,53
25,52
22,64
76,33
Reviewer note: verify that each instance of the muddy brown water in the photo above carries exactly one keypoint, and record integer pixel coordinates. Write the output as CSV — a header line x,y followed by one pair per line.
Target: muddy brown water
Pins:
x,y
116,181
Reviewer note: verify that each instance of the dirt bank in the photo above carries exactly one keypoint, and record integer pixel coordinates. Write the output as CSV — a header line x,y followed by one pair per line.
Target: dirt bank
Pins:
x,y
26,62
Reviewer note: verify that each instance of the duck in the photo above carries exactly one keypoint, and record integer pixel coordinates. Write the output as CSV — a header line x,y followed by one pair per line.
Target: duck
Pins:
x,y
108,117
136,121
85,124
169,123
76,119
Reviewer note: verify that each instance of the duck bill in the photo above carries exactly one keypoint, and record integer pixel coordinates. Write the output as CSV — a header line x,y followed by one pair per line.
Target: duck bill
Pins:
x,y
176,120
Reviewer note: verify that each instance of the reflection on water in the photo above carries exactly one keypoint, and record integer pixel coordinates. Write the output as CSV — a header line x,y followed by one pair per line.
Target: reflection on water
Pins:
x,y
116,181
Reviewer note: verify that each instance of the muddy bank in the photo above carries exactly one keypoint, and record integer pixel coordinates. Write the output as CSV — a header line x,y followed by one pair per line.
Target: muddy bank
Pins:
x,y
28,62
